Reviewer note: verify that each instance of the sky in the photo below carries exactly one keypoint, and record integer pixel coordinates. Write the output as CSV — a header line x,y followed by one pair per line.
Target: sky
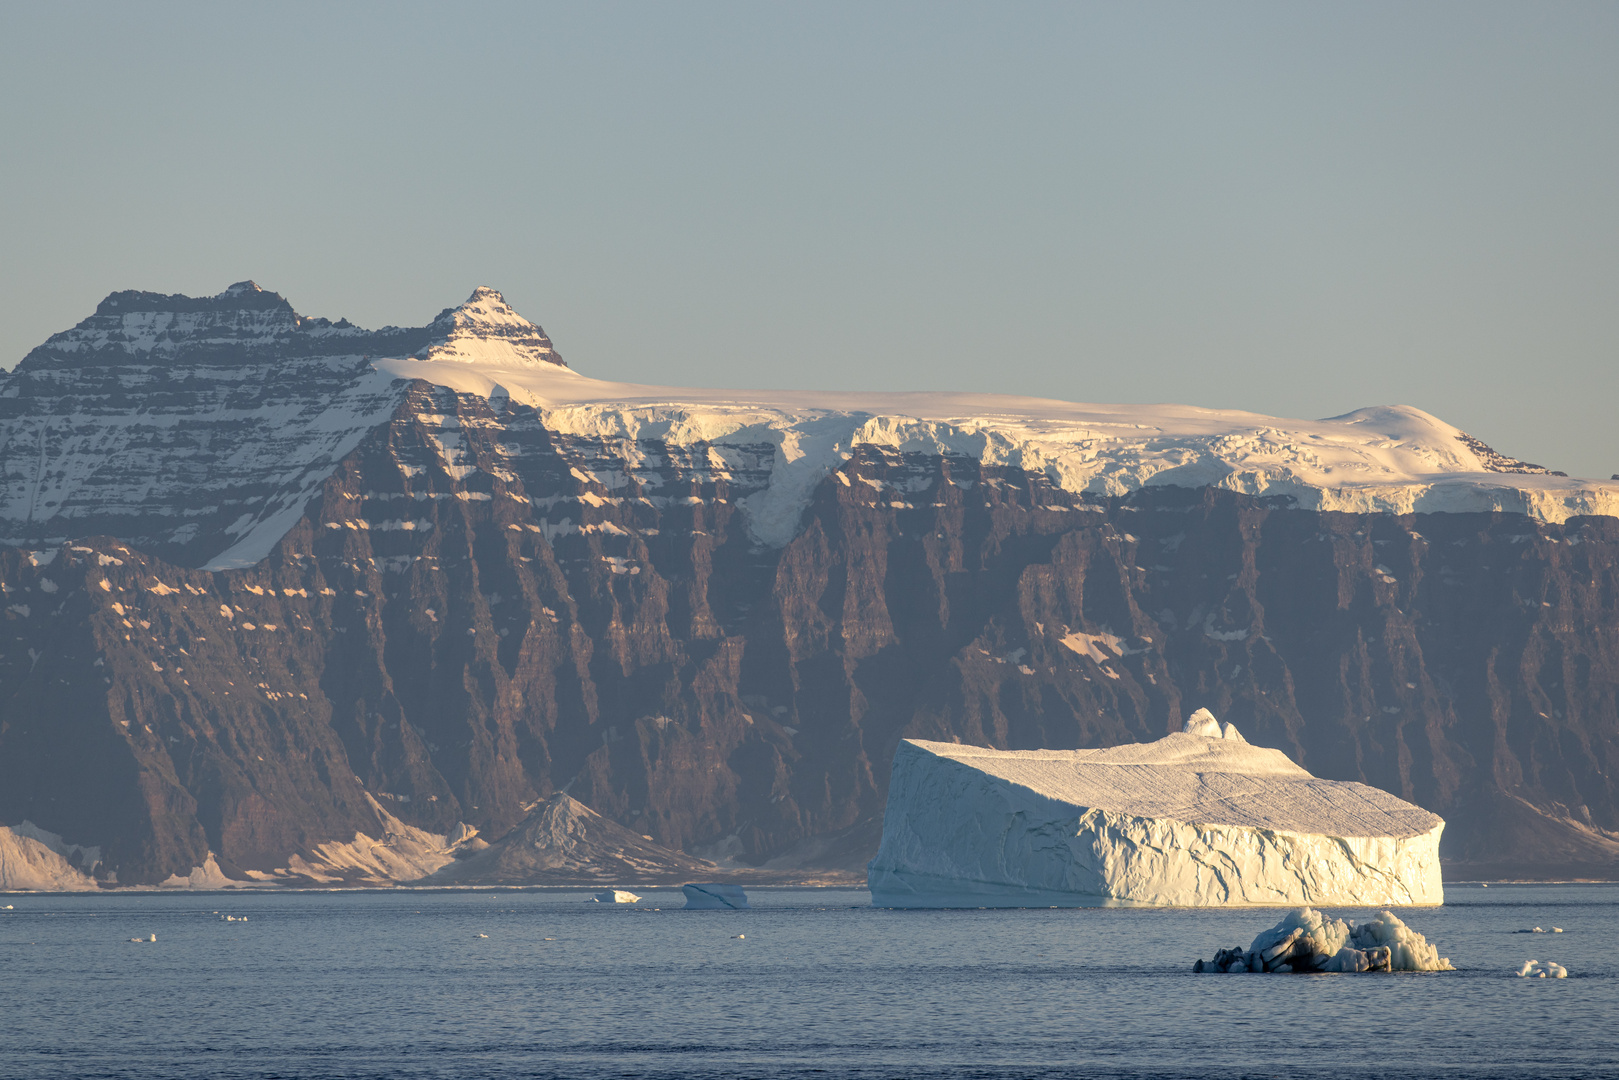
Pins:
x,y
1295,209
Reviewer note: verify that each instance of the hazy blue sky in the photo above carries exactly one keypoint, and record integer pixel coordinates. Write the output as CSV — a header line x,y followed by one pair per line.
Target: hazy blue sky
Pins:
x,y
1299,209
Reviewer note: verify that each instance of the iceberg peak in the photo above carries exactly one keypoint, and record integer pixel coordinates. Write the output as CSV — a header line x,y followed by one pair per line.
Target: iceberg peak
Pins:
x,y
1204,723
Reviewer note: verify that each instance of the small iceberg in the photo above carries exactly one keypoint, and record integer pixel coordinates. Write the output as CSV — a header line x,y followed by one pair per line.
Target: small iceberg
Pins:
x,y
713,897
1535,969
144,940
1307,941
614,896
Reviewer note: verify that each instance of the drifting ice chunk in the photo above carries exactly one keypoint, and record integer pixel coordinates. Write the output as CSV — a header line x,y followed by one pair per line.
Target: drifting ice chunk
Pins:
x,y
714,896
615,896
1535,969
1199,818
1307,940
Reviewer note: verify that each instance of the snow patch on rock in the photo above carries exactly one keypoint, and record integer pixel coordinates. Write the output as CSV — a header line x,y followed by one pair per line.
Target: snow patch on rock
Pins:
x,y
404,853
206,876
34,860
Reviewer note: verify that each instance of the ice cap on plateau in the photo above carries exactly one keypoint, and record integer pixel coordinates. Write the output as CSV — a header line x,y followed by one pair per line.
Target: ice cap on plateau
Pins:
x,y
257,398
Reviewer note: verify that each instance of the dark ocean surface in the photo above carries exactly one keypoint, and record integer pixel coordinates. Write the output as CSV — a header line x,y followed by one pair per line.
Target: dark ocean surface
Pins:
x,y
399,984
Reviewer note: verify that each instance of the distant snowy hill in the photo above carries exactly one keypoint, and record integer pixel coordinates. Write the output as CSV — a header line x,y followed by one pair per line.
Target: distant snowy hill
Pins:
x,y
275,589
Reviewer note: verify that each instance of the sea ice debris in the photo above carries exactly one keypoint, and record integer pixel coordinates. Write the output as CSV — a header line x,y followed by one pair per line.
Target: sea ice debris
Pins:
x,y
1536,969
1307,941
614,896
714,897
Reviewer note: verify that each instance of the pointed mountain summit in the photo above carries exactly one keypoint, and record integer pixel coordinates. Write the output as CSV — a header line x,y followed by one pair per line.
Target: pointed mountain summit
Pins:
x,y
485,330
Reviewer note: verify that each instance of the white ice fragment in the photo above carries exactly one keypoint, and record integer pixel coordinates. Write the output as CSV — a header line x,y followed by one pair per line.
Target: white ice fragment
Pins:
x,y
714,896
1306,940
614,896
1537,969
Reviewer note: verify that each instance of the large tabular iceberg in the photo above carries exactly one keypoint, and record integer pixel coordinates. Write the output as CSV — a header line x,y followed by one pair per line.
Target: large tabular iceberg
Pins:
x,y
1200,818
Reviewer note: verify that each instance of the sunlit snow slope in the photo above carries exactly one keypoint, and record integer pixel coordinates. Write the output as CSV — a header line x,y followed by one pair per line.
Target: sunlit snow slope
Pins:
x,y
204,427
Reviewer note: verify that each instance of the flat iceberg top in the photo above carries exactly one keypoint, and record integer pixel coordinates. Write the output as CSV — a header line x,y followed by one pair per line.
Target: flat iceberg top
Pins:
x,y
1198,780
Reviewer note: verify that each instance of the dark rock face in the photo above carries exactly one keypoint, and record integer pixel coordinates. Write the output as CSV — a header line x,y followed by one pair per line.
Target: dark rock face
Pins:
x,y
473,613
198,429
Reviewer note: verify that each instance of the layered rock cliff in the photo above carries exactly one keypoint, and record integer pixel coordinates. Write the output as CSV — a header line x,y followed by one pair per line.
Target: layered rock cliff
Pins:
x,y
273,584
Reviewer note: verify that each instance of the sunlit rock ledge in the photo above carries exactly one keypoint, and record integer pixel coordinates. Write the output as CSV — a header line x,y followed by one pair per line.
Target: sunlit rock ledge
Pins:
x,y
1197,819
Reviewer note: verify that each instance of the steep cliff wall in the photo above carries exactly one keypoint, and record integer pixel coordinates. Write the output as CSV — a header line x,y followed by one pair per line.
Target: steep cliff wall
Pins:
x,y
467,621
266,590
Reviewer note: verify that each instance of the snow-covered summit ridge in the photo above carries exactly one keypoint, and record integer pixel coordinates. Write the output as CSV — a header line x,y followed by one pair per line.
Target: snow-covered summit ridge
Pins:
x,y
262,403
246,324
485,330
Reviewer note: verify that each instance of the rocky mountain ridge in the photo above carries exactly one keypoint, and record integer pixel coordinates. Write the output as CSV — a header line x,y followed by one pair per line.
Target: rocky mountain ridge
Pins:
x,y
711,619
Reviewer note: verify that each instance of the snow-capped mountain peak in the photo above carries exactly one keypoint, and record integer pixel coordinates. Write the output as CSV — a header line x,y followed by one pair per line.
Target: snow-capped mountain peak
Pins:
x,y
486,330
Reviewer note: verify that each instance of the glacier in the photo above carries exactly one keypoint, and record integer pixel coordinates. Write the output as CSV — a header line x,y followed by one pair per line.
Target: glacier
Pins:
x,y
1199,818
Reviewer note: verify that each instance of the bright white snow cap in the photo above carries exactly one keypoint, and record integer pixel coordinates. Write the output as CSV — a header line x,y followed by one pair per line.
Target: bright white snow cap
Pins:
x,y
1203,723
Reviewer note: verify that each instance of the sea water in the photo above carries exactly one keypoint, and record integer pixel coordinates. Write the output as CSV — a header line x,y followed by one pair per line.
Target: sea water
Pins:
x,y
807,983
